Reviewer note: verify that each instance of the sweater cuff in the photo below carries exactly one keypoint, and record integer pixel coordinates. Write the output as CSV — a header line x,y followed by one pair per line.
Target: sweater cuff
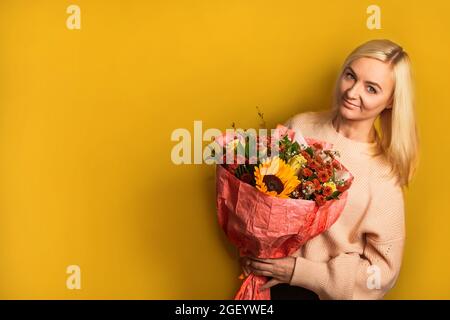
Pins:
x,y
310,275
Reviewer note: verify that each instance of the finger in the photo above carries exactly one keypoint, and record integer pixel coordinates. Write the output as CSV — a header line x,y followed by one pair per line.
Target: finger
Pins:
x,y
246,271
245,261
269,284
261,260
262,273
261,266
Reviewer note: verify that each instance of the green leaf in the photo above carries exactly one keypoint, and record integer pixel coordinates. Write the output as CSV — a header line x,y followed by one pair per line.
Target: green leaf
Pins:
x,y
335,194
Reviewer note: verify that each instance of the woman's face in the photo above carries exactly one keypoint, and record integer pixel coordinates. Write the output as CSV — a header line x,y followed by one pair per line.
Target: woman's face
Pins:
x,y
365,89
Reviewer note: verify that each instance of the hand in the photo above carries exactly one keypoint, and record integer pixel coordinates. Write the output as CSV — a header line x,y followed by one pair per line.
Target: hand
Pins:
x,y
245,261
280,270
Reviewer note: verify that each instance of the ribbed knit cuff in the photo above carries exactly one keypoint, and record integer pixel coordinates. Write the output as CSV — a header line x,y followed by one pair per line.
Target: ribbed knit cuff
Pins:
x,y
309,275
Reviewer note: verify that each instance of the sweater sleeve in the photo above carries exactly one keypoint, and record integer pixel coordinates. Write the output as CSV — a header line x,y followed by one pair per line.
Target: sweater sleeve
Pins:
x,y
369,274
351,275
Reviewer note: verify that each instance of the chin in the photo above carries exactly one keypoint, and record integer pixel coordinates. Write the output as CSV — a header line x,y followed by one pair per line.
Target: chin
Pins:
x,y
349,114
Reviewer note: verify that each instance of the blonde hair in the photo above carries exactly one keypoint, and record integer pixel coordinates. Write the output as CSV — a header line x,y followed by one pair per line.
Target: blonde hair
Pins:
x,y
397,137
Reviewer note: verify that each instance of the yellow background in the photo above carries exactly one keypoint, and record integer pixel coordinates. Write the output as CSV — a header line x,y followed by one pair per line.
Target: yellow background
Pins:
x,y
86,117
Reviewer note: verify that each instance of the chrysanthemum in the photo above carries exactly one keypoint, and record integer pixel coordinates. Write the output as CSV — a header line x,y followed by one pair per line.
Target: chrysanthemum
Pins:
x,y
327,191
306,172
276,178
331,185
323,176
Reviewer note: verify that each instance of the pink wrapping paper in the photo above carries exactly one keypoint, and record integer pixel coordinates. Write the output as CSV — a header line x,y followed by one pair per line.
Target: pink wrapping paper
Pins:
x,y
263,226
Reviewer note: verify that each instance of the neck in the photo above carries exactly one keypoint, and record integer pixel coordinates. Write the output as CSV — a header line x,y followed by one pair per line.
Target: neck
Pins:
x,y
361,131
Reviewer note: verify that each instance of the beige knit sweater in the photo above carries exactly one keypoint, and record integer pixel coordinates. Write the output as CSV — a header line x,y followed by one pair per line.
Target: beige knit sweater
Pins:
x,y
360,256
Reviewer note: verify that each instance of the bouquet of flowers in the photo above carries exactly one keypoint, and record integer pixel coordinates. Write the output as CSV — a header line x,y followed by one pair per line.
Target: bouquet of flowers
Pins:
x,y
274,193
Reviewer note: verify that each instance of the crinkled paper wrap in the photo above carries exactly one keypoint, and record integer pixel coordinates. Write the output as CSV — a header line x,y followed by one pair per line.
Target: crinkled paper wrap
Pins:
x,y
263,226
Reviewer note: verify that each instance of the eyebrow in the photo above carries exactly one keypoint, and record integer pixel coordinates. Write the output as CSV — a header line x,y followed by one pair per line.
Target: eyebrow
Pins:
x,y
369,82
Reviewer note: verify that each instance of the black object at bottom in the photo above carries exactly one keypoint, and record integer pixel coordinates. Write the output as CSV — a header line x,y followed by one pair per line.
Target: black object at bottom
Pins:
x,y
284,291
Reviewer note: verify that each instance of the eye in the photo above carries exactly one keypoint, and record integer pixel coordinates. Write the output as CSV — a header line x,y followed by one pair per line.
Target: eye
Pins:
x,y
348,75
371,89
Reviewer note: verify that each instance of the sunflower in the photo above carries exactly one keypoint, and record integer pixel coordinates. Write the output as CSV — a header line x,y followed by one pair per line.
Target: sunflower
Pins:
x,y
276,178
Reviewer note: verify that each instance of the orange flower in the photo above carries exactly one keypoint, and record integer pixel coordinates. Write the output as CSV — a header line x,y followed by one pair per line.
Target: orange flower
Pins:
x,y
320,199
323,176
319,160
317,185
306,155
306,172
327,191
317,146
314,165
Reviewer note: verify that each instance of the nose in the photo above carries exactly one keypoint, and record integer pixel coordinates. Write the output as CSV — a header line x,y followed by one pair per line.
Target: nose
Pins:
x,y
353,92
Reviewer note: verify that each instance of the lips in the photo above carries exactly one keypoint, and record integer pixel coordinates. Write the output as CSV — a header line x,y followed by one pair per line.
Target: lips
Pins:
x,y
348,103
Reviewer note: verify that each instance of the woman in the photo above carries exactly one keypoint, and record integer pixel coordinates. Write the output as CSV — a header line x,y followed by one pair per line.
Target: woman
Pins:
x,y
360,256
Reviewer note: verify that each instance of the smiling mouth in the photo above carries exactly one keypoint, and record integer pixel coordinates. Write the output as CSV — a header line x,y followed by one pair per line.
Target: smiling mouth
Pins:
x,y
348,102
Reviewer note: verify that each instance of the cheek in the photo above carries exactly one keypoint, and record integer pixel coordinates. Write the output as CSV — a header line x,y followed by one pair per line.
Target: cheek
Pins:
x,y
374,102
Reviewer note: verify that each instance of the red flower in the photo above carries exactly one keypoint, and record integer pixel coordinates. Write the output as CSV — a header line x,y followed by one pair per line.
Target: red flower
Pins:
x,y
323,176
317,184
327,191
319,160
306,172
320,199
306,155
317,146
